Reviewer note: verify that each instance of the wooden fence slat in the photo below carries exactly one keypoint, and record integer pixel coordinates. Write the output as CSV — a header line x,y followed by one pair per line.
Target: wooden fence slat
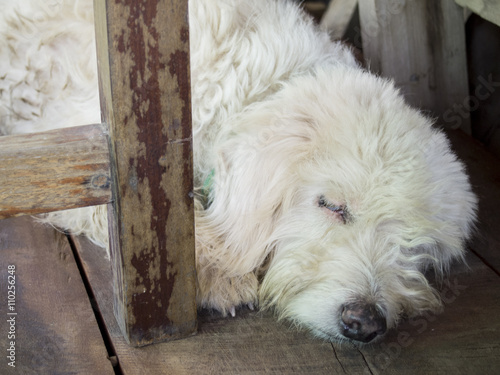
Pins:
x,y
143,52
488,9
421,44
337,17
54,170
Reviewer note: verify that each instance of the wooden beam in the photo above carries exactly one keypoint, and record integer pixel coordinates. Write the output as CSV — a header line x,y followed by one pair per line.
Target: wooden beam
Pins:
x,y
421,45
53,170
488,9
337,17
143,53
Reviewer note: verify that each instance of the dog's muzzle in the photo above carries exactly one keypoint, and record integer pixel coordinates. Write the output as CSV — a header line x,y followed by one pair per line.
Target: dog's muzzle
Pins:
x,y
362,322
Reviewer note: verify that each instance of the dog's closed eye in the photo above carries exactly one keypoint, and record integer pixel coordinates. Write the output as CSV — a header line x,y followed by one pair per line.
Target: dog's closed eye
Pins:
x,y
339,211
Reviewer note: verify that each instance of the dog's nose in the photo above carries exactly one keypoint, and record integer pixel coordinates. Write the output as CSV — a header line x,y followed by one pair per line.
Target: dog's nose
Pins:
x,y
362,322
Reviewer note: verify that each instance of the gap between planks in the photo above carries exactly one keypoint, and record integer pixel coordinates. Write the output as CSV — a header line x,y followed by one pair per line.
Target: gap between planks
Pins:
x,y
108,343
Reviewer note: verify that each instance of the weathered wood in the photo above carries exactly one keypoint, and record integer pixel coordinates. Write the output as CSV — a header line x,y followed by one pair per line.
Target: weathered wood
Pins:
x,y
337,17
251,343
54,170
143,52
488,9
55,328
483,169
421,44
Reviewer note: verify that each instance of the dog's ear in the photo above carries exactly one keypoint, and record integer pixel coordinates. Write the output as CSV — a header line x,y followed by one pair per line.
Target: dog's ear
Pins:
x,y
452,202
253,184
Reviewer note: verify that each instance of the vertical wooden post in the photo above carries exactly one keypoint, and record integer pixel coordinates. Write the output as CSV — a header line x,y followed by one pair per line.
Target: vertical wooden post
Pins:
x,y
421,44
143,52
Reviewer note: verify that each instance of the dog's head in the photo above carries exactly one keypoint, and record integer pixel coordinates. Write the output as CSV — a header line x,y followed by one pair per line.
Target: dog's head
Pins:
x,y
354,196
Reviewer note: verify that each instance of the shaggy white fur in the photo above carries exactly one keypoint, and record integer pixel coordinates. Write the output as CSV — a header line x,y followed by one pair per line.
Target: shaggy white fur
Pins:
x,y
322,195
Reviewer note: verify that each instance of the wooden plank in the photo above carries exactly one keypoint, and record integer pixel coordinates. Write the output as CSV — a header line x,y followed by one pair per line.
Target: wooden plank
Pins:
x,y
53,170
251,343
55,327
337,17
488,9
143,53
421,45
483,169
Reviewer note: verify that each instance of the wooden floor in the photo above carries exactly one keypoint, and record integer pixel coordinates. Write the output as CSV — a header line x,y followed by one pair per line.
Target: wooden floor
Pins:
x,y
64,322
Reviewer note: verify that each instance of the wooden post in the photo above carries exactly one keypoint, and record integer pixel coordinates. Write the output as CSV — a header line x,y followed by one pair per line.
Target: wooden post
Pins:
x,y
421,44
143,54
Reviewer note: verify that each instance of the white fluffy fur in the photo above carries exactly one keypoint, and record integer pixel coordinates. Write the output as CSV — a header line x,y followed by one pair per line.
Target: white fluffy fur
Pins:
x,y
282,116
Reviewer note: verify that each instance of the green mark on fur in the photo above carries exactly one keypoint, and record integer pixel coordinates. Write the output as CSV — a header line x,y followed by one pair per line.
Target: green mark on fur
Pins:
x,y
207,185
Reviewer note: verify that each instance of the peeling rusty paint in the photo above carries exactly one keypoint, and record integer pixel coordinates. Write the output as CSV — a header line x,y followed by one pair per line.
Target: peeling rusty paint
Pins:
x,y
144,83
179,68
153,157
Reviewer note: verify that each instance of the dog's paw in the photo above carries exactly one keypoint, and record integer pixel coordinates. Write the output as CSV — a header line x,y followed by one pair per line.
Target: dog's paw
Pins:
x,y
225,294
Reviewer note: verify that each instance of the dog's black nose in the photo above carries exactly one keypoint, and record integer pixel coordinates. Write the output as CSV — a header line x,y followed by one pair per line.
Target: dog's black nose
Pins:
x,y
362,322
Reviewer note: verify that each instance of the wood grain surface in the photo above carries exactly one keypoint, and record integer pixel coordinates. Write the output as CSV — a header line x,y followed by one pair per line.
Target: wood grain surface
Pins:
x,y
53,170
56,330
143,53
421,46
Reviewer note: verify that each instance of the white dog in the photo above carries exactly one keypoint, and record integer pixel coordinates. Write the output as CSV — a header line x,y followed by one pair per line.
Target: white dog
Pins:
x,y
322,194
